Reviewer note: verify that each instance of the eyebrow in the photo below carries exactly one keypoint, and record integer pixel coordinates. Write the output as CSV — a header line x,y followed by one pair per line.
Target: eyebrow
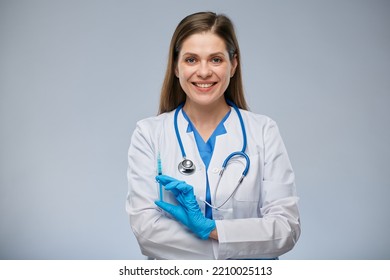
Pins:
x,y
212,54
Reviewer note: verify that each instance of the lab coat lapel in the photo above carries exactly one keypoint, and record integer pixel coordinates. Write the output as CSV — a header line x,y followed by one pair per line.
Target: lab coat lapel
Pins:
x,y
197,180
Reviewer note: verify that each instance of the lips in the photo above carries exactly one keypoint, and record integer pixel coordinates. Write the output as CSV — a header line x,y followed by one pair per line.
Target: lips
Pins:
x,y
203,85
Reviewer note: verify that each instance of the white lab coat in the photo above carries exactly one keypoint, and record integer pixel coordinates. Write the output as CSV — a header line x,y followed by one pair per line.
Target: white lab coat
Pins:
x,y
260,221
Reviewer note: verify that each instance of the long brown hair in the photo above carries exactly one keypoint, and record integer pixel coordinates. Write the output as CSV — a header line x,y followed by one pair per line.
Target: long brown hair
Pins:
x,y
171,93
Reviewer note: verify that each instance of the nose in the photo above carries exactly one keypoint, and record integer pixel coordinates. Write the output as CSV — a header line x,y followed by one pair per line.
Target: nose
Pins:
x,y
204,70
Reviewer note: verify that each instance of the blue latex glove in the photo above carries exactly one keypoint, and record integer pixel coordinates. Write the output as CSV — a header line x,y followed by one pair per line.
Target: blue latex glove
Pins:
x,y
188,211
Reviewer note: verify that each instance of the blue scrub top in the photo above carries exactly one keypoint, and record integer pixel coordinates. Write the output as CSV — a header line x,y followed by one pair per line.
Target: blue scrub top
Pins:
x,y
206,150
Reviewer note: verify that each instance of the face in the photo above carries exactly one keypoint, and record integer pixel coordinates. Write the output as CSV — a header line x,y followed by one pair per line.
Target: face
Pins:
x,y
204,68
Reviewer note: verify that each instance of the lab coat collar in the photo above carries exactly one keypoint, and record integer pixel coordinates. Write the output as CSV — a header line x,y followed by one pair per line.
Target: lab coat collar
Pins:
x,y
220,129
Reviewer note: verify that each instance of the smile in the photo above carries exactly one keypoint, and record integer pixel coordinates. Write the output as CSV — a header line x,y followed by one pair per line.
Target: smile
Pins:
x,y
203,85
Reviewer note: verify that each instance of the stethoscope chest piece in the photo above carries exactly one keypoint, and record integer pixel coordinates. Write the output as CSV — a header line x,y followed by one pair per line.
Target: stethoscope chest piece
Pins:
x,y
186,167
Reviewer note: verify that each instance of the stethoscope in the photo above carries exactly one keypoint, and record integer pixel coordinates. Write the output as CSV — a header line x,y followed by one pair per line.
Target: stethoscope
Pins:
x,y
187,166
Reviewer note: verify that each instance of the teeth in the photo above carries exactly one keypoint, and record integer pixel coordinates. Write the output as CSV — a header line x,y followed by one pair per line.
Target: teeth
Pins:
x,y
204,85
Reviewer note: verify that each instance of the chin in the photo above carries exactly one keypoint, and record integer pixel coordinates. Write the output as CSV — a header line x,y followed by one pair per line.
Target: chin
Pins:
x,y
206,100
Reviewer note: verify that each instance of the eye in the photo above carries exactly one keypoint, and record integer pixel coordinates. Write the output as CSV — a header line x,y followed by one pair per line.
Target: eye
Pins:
x,y
190,60
216,60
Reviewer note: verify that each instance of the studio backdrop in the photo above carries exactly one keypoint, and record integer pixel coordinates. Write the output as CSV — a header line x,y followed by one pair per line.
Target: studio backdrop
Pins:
x,y
76,76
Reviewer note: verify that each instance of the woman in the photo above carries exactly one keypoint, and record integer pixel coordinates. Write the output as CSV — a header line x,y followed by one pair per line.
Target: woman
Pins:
x,y
191,211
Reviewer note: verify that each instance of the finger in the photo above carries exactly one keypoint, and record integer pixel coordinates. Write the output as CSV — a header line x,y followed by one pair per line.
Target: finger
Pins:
x,y
172,186
164,179
181,186
167,207
176,211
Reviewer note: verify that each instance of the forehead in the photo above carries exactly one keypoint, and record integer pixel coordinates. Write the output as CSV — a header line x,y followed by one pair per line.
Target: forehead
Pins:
x,y
203,43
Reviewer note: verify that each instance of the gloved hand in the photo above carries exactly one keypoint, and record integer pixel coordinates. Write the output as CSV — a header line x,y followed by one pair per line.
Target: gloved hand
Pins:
x,y
188,211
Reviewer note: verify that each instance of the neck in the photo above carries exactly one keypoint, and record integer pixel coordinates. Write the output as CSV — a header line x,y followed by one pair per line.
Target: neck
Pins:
x,y
206,118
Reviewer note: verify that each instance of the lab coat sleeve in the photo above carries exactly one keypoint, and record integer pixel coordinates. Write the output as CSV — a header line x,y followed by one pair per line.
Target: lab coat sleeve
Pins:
x,y
277,228
158,236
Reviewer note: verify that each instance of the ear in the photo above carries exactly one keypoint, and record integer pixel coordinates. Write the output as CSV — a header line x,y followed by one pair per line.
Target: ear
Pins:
x,y
234,63
176,72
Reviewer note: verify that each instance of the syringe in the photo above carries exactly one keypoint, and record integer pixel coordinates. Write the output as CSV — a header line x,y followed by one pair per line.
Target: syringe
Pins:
x,y
159,172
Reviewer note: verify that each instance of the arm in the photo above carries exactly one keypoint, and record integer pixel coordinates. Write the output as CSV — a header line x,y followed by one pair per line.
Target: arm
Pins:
x,y
277,228
158,235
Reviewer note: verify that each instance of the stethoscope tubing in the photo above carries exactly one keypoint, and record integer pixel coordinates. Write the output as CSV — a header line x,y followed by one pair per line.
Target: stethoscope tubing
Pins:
x,y
183,153
226,161
244,138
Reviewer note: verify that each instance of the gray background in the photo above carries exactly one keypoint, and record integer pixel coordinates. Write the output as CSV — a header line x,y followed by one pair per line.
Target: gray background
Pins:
x,y
75,76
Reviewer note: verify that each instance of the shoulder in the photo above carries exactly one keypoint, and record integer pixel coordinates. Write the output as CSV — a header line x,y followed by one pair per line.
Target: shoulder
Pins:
x,y
260,127
259,120
148,131
155,121
154,124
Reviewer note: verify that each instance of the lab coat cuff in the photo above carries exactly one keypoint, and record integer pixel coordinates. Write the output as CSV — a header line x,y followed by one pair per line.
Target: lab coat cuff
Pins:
x,y
219,248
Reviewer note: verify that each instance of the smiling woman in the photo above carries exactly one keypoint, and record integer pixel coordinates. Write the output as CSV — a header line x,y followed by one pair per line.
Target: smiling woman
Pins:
x,y
203,108
204,71
218,27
